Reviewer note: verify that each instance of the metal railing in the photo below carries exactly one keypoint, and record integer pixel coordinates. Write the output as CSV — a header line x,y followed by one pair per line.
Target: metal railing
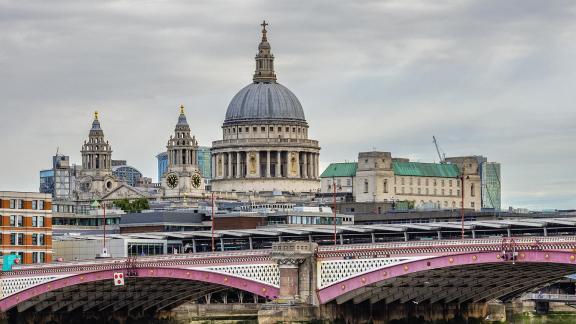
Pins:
x,y
550,297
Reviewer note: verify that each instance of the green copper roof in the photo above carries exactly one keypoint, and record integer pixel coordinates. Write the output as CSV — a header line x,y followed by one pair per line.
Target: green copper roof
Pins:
x,y
347,169
418,169
415,169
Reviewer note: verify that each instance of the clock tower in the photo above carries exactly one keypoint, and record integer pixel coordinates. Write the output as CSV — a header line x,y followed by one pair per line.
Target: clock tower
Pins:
x,y
183,176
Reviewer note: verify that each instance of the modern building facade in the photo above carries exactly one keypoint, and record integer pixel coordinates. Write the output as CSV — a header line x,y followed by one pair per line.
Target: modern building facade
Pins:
x,y
204,161
377,177
60,180
491,186
26,222
265,145
162,159
127,174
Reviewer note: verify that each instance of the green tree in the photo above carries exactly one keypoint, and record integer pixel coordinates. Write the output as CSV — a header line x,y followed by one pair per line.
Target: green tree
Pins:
x,y
135,206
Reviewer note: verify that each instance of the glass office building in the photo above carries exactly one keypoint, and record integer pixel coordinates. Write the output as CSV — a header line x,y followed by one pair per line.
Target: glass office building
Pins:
x,y
162,164
205,162
491,185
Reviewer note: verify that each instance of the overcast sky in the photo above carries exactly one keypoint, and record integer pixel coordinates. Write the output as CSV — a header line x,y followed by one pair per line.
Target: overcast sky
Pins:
x,y
493,78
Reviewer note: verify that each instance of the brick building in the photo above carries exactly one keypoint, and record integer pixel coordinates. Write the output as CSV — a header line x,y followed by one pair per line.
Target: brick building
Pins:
x,y
26,225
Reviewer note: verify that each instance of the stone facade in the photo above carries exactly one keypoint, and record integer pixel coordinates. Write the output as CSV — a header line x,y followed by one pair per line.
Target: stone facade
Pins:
x,y
376,181
95,179
183,176
265,145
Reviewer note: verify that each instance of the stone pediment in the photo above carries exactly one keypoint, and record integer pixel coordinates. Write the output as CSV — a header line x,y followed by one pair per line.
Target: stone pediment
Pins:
x,y
123,191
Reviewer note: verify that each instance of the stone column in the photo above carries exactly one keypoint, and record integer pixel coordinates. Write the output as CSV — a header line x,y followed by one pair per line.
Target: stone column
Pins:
x,y
238,171
297,155
268,164
222,166
213,165
296,264
316,166
229,155
305,165
258,164
278,164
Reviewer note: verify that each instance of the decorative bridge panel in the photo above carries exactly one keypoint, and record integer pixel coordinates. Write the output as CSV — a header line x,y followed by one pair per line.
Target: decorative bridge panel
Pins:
x,y
9,286
337,270
266,273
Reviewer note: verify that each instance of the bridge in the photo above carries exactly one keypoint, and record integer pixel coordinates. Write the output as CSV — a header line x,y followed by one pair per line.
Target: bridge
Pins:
x,y
298,273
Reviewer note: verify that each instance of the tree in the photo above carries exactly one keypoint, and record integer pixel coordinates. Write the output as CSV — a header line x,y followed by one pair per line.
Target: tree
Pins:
x,y
135,206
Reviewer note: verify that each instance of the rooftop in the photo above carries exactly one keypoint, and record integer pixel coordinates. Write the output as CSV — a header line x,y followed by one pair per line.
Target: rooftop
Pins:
x,y
401,168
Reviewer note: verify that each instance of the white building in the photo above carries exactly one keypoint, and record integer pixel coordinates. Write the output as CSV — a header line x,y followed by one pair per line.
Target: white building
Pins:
x,y
377,177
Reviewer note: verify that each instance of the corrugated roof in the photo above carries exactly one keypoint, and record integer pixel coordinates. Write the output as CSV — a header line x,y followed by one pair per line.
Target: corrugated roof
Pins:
x,y
425,169
347,169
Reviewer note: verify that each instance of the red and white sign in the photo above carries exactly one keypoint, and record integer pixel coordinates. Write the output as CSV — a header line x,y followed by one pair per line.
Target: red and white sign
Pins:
x,y
118,279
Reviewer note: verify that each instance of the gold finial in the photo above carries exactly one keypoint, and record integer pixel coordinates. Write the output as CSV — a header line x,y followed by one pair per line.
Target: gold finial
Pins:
x,y
96,115
181,109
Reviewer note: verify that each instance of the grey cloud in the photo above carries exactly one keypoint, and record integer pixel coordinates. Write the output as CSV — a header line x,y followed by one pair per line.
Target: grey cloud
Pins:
x,y
486,77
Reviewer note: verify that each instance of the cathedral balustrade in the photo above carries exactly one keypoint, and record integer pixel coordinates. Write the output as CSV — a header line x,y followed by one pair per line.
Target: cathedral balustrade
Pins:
x,y
265,141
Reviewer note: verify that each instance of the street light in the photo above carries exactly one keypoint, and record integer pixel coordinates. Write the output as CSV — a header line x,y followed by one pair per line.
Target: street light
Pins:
x,y
97,205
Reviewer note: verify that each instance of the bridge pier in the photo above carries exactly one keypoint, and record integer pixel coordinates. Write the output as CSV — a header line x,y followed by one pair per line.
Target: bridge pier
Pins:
x,y
297,301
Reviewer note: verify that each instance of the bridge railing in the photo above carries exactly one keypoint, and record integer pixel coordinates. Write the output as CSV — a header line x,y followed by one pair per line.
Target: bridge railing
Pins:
x,y
550,297
497,242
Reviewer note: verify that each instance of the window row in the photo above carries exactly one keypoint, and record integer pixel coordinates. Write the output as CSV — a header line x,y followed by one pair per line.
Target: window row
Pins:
x,y
18,221
427,181
19,204
428,191
246,129
18,239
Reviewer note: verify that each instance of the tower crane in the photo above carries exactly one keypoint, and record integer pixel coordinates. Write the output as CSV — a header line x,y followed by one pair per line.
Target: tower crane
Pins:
x,y
441,154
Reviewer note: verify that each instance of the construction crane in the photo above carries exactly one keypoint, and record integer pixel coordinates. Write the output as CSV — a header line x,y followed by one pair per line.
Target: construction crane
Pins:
x,y
441,154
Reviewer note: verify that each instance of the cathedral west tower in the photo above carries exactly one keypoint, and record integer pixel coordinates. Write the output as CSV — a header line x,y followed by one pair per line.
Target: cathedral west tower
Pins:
x,y
265,144
95,179
182,176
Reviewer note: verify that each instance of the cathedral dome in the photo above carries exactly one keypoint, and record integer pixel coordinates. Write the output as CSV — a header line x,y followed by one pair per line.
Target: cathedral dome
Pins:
x,y
262,101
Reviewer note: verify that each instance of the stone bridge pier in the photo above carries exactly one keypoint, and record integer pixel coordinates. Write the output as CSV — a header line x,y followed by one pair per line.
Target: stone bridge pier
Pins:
x,y
297,300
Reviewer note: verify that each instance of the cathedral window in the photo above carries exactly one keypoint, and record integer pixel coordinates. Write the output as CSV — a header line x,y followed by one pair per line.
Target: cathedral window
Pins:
x,y
271,128
263,129
254,129
288,129
365,185
247,129
239,129
472,191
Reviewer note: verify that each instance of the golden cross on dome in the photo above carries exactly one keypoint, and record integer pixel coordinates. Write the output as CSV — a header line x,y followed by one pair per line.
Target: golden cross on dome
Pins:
x,y
264,24
182,109
96,114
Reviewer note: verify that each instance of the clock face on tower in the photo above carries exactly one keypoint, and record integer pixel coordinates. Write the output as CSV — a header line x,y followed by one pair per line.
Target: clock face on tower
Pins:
x,y
172,180
196,181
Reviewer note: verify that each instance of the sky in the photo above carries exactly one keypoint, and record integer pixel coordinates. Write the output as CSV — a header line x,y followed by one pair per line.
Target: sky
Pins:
x,y
491,77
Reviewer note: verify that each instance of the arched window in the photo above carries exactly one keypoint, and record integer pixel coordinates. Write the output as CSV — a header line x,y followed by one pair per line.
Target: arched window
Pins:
x,y
472,193
365,185
385,185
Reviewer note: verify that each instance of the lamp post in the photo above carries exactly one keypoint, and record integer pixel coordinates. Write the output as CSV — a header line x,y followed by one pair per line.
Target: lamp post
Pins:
x,y
334,206
462,203
212,222
97,205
